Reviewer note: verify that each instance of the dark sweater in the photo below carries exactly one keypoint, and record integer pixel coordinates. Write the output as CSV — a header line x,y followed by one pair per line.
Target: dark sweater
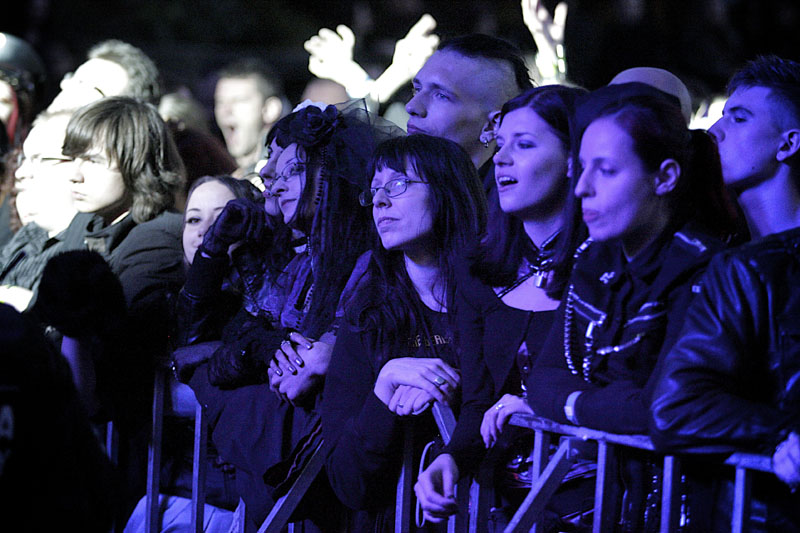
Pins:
x,y
364,439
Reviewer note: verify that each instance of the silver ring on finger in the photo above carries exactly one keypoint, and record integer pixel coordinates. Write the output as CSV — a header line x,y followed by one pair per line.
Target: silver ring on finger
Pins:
x,y
438,381
498,406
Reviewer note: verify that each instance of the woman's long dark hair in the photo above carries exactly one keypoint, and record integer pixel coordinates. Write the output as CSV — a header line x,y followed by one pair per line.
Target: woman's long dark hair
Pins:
x,y
386,306
336,145
507,244
659,132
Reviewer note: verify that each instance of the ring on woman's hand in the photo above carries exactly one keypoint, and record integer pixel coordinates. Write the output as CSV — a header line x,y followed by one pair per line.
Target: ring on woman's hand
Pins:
x,y
285,343
438,381
498,406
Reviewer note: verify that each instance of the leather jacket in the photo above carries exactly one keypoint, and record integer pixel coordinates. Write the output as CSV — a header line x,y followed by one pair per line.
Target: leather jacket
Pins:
x,y
731,381
618,320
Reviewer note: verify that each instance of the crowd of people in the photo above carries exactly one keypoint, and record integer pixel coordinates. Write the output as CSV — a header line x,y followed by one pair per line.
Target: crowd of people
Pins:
x,y
323,278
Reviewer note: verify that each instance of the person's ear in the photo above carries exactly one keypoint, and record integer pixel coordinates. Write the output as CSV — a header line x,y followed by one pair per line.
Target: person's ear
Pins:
x,y
271,110
790,145
489,130
667,176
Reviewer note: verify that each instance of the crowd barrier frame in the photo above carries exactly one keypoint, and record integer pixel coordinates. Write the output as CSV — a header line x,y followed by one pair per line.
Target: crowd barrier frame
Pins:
x,y
548,472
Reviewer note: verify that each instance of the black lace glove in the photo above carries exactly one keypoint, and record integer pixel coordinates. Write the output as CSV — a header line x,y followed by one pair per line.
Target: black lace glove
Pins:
x,y
248,344
242,220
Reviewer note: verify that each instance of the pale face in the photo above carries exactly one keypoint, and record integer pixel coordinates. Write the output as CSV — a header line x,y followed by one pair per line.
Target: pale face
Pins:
x,y
239,109
43,180
290,182
93,80
202,209
98,186
748,137
268,173
530,165
617,193
404,222
453,95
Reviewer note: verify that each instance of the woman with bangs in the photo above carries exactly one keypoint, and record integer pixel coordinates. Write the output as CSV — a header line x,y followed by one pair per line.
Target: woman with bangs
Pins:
x,y
396,353
261,385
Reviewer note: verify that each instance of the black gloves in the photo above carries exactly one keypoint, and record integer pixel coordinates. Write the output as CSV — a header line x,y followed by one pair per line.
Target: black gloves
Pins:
x,y
241,220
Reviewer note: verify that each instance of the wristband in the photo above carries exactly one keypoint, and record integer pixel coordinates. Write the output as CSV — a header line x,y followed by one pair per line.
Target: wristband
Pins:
x,y
569,407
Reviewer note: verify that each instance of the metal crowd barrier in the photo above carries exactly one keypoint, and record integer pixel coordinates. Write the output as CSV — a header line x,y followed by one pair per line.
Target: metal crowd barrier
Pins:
x,y
549,471
547,474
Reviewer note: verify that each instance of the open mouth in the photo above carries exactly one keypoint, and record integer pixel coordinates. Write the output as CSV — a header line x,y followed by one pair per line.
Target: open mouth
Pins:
x,y
503,181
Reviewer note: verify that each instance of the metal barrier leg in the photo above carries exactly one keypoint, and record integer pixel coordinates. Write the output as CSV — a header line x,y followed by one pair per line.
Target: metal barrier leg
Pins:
x,y
741,500
605,489
152,518
199,469
670,499
402,514
542,490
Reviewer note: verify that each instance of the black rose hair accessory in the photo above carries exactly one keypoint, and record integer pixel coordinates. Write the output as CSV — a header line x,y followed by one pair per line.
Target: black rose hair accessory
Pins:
x,y
313,126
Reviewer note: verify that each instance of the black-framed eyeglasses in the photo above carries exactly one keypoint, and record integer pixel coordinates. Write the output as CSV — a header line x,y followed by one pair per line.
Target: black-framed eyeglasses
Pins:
x,y
393,188
295,170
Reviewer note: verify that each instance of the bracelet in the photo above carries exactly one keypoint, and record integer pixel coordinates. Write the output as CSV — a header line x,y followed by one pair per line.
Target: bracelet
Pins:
x,y
569,407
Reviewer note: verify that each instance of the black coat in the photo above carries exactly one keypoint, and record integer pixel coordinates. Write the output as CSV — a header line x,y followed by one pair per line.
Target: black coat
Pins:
x,y
617,322
731,381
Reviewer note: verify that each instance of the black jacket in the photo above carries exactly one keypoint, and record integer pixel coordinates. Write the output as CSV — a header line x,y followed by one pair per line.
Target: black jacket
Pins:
x,y
489,334
731,381
617,321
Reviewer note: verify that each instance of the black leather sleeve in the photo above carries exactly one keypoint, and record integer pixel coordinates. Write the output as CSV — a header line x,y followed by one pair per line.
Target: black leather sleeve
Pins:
x,y
710,391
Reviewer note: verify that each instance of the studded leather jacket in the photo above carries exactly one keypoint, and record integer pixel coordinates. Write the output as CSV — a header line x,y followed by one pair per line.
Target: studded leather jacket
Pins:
x,y
733,378
616,322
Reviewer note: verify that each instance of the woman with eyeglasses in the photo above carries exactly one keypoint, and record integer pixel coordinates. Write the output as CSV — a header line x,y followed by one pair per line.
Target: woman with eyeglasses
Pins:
x,y
261,386
396,352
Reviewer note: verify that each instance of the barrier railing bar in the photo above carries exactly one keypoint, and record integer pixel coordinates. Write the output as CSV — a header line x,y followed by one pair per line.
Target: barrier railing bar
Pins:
x,y
671,482
402,515
199,469
154,455
282,511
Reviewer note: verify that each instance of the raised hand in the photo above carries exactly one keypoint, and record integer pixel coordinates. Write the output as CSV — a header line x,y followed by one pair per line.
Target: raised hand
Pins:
x,y
494,420
332,59
434,376
548,34
410,54
241,220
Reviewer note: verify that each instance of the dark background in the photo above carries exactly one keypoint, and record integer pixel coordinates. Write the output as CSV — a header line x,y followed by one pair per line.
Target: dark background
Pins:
x,y
703,41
